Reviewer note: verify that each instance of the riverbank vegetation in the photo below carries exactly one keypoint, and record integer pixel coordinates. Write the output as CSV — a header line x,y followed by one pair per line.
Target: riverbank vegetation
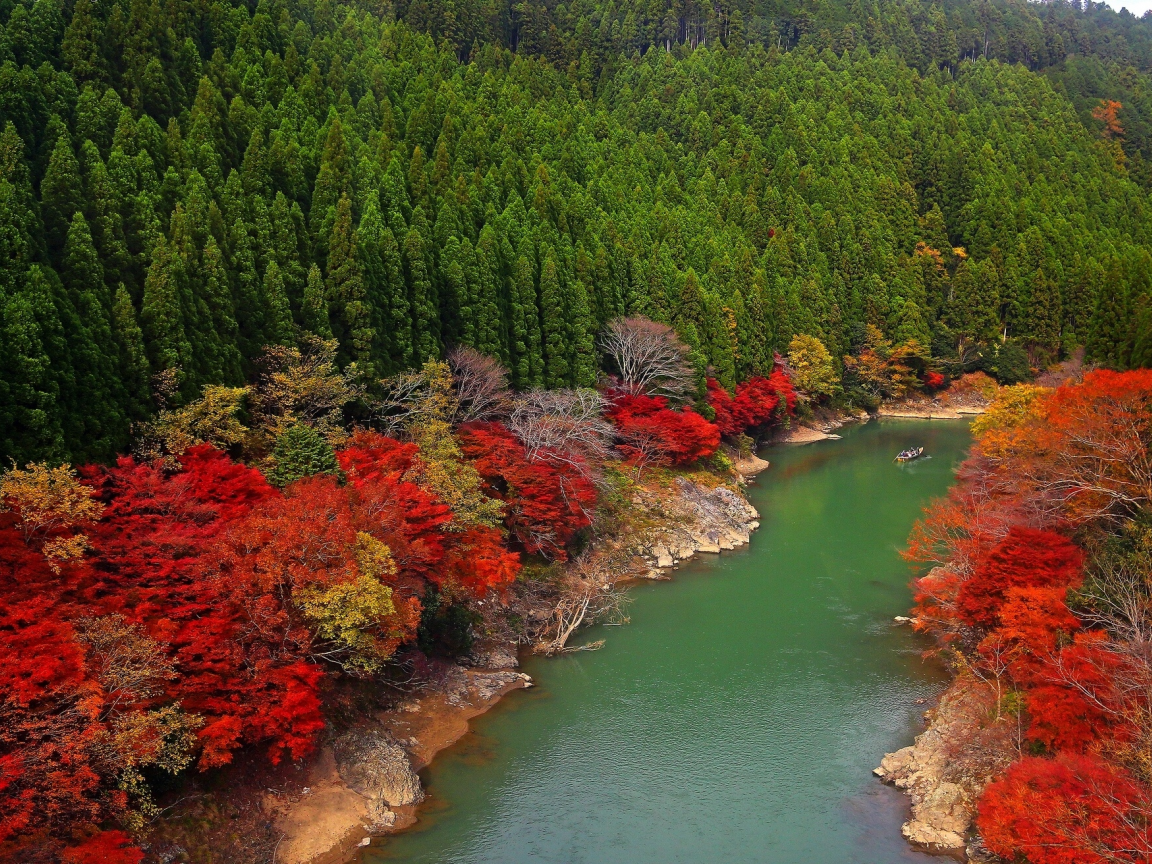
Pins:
x,y
1040,595
203,595
383,300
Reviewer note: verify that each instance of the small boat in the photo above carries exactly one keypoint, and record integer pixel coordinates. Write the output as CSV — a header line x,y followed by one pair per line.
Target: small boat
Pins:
x,y
910,454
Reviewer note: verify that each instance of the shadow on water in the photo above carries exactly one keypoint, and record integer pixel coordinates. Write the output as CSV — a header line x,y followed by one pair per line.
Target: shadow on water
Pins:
x,y
739,715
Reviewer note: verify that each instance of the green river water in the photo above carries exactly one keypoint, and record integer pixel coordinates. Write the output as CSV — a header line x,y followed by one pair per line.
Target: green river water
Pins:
x,y
738,716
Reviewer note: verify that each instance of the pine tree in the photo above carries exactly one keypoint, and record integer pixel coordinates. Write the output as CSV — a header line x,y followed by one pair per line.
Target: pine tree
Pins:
x,y
581,336
1045,314
278,323
30,396
314,314
554,327
348,309
61,194
223,330
425,320
528,363
1109,339
134,371
94,350
403,338
332,183
251,308
301,452
161,315
974,310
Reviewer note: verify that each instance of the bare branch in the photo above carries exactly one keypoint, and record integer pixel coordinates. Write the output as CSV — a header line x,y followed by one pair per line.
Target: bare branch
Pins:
x,y
565,426
481,385
649,358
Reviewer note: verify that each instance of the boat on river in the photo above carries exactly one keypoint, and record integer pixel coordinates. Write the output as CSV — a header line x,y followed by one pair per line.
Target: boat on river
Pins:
x,y
909,454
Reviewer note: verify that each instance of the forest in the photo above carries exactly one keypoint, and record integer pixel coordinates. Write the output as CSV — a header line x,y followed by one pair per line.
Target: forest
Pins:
x,y
1041,596
320,320
184,186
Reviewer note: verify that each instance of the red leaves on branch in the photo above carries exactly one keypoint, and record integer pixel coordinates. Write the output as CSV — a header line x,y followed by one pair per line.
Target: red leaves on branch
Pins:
x,y
1076,457
1068,810
548,502
651,433
933,381
759,401
107,847
1026,558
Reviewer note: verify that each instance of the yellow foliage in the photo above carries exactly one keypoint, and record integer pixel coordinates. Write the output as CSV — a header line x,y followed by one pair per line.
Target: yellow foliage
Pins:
x,y
354,616
304,386
440,468
813,370
1013,407
373,557
211,419
48,499
62,549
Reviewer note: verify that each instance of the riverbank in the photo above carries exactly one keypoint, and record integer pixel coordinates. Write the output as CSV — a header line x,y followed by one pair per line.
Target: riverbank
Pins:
x,y
945,770
363,782
735,715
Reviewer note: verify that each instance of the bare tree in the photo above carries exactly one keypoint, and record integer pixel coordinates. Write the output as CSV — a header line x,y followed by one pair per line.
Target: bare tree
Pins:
x,y
402,401
563,426
589,595
649,358
481,385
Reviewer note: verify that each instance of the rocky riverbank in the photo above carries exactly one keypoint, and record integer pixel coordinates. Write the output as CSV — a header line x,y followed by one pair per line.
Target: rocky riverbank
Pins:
x,y
967,742
363,782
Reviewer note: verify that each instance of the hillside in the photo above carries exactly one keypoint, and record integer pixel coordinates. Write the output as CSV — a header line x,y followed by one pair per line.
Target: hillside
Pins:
x,y
183,186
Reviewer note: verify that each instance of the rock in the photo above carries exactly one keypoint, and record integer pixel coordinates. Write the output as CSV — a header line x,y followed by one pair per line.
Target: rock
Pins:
x,y
367,841
895,763
373,764
902,619
944,772
925,835
488,685
978,853
498,656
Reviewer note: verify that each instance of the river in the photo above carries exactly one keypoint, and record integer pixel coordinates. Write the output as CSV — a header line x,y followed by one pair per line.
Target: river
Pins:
x,y
738,716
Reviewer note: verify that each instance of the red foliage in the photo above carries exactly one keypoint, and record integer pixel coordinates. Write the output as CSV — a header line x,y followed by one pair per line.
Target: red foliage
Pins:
x,y
1068,810
757,402
933,381
1025,558
370,456
650,432
548,501
107,847
1080,457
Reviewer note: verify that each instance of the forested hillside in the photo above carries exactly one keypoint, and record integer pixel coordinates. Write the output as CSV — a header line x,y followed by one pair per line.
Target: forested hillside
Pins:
x,y
183,185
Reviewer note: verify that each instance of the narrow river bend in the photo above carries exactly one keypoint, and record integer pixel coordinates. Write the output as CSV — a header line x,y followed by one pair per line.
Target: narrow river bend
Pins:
x,y
739,715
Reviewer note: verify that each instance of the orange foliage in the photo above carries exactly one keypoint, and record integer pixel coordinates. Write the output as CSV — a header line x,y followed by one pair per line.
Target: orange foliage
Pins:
x,y
1107,113
1047,464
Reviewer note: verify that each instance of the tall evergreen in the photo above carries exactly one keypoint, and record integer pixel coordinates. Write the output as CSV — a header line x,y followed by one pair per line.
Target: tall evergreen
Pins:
x,y
553,325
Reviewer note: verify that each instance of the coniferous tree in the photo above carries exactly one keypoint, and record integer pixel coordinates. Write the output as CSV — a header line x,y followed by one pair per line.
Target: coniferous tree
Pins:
x,y
314,314
278,328
553,325
61,194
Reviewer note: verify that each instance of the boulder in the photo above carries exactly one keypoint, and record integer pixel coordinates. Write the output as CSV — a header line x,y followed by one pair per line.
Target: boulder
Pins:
x,y
373,764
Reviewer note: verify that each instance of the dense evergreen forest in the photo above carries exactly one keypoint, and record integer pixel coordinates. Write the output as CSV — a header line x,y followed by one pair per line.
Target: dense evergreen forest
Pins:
x,y
184,184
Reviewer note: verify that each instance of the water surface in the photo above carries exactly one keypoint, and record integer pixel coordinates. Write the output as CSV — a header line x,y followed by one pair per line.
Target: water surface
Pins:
x,y
739,715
